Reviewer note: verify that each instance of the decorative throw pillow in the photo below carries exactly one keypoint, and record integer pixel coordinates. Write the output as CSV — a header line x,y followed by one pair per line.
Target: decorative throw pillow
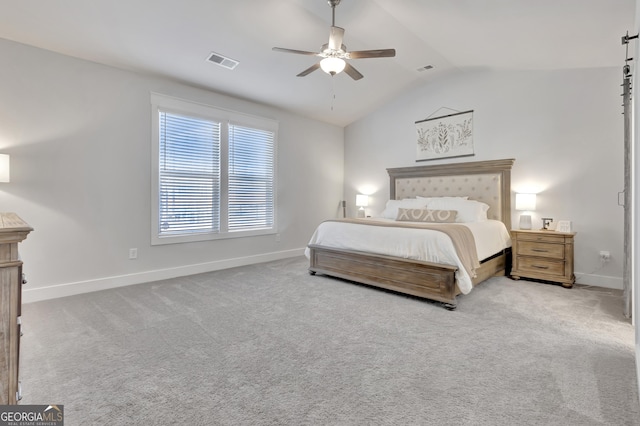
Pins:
x,y
425,215
391,209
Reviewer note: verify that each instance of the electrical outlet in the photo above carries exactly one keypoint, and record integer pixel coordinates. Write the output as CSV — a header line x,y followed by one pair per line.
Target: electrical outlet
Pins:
x,y
605,256
133,253
277,238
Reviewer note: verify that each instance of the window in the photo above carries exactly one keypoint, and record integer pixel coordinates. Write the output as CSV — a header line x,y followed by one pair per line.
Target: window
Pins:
x,y
189,175
213,172
250,178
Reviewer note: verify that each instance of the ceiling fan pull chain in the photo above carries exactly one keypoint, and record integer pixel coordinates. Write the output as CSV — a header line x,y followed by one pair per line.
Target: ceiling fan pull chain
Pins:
x,y
333,91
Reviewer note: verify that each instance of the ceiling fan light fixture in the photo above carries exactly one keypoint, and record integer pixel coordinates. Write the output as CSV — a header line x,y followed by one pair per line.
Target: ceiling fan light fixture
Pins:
x,y
335,52
332,65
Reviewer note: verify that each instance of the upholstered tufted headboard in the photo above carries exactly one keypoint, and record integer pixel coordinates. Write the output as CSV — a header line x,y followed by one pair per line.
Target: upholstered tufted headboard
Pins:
x,y
486,181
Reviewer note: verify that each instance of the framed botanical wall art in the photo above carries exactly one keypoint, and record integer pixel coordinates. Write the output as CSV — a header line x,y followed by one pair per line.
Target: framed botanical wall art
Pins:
x,y
445,136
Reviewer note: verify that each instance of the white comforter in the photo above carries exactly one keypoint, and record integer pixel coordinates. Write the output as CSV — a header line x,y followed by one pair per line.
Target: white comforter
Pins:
x,y
490,236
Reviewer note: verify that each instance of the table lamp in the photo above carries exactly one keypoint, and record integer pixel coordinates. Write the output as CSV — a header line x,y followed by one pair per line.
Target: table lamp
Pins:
x,y
526,203
362,201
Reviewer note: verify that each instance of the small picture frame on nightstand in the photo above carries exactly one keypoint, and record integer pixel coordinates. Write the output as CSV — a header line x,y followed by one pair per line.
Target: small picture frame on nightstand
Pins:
x,y
563,226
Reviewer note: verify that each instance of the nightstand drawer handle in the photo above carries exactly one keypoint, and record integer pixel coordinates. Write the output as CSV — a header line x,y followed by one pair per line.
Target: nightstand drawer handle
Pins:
x,y
539,250
540,267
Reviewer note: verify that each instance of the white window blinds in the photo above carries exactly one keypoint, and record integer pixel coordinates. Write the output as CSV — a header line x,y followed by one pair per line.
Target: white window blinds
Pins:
x,y
214,173
250,178
189,174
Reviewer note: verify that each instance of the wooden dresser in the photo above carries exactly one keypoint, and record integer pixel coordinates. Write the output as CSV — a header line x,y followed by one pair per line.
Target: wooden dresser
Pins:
x,y
12,231
543,255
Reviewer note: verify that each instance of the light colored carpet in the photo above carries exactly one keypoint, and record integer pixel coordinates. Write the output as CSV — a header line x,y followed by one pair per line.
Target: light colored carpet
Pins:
x,y
269,344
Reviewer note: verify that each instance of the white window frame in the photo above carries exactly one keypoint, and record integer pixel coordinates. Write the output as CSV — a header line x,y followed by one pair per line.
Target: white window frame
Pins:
x,y
160,102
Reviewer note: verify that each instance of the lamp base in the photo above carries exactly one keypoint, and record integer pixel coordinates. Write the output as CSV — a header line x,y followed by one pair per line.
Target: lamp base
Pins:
x,y
525,221
361,212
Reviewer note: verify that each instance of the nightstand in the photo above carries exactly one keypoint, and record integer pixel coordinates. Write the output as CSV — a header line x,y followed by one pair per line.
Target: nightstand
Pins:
x,y
543,255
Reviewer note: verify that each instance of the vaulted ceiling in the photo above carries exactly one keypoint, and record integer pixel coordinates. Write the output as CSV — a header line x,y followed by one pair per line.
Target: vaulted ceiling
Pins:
x,y
174,39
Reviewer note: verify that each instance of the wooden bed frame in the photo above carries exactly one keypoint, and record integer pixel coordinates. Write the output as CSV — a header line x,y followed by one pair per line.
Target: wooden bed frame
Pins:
x,y
486,181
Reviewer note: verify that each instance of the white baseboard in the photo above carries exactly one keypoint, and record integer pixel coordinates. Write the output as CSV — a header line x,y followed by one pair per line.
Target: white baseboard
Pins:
x,y
69,289
599,280
30,295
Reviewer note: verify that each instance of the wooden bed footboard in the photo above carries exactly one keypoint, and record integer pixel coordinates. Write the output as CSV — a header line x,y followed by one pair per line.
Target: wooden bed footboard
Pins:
x,y
422,279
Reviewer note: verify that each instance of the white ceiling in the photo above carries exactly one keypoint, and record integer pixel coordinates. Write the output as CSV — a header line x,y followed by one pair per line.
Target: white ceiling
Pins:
x,y
173,38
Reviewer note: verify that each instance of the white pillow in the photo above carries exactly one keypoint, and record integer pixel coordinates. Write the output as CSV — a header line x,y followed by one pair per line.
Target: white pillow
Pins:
x,y
468,210
441,198
391,210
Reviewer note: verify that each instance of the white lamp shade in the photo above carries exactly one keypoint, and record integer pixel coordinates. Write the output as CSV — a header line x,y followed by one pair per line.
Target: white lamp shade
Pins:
x,y
362,200
525,221
5,173
332,65
526,202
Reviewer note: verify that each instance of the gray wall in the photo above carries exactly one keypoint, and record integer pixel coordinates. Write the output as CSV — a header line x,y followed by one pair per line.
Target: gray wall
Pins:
x,y
564,128
79,136
634,47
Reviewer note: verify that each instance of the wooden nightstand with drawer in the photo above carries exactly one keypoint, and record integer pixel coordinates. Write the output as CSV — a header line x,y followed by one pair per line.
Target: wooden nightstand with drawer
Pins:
x,y
543,255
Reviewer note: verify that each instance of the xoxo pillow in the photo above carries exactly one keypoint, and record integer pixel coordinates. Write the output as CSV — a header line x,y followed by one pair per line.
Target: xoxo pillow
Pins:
x,y
425,215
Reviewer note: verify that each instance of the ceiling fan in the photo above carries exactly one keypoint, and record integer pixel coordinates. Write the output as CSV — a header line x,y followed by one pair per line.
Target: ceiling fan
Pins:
x,y
334,53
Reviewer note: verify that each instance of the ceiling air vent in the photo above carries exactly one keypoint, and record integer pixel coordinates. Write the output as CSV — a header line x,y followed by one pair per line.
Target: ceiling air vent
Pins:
x,y
425,68
223,61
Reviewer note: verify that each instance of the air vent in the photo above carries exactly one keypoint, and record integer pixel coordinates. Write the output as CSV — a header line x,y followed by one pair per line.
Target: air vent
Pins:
x,y
223,61
426,67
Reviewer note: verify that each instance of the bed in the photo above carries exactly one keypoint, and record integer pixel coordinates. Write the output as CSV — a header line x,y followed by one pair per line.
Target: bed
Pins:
x,y
487,182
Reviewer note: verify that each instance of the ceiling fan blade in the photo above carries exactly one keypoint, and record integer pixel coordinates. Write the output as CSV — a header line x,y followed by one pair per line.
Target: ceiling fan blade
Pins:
x,y
298,52
380,53
335,38
309,70
352,72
